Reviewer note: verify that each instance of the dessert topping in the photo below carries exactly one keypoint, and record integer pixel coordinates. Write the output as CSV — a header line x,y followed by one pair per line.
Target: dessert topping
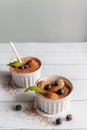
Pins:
x,y
24,66
34,88
51,95
15,64
60,91
47,87
21,67
56,83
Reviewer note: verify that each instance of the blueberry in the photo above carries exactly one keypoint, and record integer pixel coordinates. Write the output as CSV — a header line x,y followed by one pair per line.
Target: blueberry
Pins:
x,y
26,66
56,83
18,107
22,67
60,91
58,121
47,87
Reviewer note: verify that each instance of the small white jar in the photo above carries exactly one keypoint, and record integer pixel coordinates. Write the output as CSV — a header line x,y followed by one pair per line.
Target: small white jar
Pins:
x,y
24,80
55,106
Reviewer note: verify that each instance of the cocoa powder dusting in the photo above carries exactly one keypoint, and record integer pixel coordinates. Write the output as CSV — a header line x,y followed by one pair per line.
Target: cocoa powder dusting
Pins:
x,y
7,84
31,111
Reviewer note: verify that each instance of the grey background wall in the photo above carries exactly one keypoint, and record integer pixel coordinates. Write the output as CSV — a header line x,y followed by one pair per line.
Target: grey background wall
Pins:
x,y
43,20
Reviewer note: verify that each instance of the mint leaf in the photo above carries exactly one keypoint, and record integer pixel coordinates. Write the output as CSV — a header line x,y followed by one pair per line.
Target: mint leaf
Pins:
x,y
34,88
15,64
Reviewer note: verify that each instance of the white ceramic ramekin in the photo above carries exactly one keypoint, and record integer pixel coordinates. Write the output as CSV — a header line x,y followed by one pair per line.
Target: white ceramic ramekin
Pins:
x,y
53,106
24,80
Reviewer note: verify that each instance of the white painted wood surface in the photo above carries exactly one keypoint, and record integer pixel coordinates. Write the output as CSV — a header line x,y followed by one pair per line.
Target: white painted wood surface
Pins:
x,y
66,59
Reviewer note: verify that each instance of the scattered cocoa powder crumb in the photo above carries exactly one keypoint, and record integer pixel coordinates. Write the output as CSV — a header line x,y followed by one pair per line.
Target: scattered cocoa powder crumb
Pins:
x,y
31,111
7,85
7,82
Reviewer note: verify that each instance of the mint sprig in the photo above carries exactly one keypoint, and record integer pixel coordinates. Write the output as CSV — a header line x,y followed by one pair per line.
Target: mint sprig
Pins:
x,y
34,88
15,64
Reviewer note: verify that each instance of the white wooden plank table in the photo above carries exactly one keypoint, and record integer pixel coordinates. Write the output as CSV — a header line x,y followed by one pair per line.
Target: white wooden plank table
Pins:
x,y
65,59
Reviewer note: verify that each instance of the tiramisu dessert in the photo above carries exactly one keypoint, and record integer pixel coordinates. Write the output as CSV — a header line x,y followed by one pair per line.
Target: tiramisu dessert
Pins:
x,y
27,73
29,64
55,89
56,95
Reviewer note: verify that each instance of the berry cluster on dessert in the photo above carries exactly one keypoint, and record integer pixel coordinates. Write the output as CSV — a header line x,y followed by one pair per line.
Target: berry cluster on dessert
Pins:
x,y
54,89
29,64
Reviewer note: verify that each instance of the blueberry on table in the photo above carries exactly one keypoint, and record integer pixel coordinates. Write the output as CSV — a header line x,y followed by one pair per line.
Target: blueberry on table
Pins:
x,y
56,83
18,107
58,121
60,91
47,87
